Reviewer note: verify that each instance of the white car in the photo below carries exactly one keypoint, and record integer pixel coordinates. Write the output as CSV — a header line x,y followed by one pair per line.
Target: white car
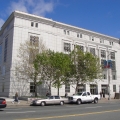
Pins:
x,y
50,100
83,97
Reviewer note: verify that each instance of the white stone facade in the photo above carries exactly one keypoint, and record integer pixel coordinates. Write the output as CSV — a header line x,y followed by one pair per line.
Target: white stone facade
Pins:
x,y
18,28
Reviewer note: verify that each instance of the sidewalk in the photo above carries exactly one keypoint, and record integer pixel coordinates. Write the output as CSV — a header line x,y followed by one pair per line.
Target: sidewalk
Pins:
x,y
21,104
105,100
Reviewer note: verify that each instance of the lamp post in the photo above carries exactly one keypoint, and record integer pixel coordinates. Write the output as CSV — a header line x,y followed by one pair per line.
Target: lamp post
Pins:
x,y
109,68
109,77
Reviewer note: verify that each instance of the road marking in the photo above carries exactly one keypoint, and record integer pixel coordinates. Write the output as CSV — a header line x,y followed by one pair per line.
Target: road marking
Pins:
x,y
22,112
94,107
64,116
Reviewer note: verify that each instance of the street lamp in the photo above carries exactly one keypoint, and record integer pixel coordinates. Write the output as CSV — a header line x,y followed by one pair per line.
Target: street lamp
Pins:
x,y
109,68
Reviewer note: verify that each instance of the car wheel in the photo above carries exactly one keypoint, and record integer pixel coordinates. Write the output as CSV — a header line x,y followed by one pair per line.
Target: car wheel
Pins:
x,y
95,100
61,103
78,102
42,103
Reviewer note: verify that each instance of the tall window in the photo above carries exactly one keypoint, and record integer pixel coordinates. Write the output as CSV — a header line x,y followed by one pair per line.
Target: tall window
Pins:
x,y
92,51
67,47
113,65
34,42
32,87
32,24
103,53
67,88
80,35
93,89
3,87
114,88
82,48
5,49
36,24
1,53
112,55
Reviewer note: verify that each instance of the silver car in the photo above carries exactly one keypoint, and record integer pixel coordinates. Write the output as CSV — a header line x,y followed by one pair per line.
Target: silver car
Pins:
x,y
50,100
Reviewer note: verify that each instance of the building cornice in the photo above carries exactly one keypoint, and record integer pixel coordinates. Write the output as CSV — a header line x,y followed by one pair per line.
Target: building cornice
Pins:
x,y
57,25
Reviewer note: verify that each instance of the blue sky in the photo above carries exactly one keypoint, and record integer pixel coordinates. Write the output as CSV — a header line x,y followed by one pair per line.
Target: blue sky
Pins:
x,y
101,16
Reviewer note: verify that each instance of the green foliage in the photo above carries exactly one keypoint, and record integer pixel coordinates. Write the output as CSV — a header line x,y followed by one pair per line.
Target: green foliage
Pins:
x,y
55,65
86,67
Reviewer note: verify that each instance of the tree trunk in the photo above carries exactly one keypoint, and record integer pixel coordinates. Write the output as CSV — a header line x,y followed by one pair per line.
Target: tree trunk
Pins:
x,y
58,90
35,90
50,87
76,90
35,84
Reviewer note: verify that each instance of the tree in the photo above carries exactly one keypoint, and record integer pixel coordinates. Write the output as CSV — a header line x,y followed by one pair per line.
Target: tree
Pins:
x,y
24,67
86,67
56,67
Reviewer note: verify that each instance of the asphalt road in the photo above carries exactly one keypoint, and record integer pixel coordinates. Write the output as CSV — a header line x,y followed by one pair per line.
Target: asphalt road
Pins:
x,y
100,111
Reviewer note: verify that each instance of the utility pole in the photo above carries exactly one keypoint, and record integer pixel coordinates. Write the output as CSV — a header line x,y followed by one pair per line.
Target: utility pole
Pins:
x,y
109,77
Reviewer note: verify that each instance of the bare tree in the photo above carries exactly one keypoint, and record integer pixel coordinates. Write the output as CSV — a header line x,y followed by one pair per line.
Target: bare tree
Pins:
x,y
24,67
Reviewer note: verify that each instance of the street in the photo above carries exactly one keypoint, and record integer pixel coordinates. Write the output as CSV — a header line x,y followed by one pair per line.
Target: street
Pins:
x,y
100,111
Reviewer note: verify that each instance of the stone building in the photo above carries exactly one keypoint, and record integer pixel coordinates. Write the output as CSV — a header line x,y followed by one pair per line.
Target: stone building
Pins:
x,y
57,36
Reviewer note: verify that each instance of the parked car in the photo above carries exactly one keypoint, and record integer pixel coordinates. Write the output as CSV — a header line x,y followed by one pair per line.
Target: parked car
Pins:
x,y
2,103
50,100
83,97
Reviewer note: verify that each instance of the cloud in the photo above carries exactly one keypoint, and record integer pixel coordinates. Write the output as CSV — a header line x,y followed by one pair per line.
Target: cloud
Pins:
x,y
1,22
37,7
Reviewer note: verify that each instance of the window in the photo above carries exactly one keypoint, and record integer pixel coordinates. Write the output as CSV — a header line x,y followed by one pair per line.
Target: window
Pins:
x,y
0,53
67,47
114,88
5,49
101,41
88,93
32,87
57,97
3,87
102,63
92,38
68,32
67,88
32,24
80,35
92,51
36,25
112,55
114,77
82,48
111,43
34,40
51,97
84,94
113,65
93,89
104,76
65,32
103,53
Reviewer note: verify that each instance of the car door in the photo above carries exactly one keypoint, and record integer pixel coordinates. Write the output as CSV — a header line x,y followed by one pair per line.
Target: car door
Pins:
x,y
84,97
50,100
89,97
57,100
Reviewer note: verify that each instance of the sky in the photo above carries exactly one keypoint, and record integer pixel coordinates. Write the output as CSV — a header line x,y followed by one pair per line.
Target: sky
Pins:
x,y
102,16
